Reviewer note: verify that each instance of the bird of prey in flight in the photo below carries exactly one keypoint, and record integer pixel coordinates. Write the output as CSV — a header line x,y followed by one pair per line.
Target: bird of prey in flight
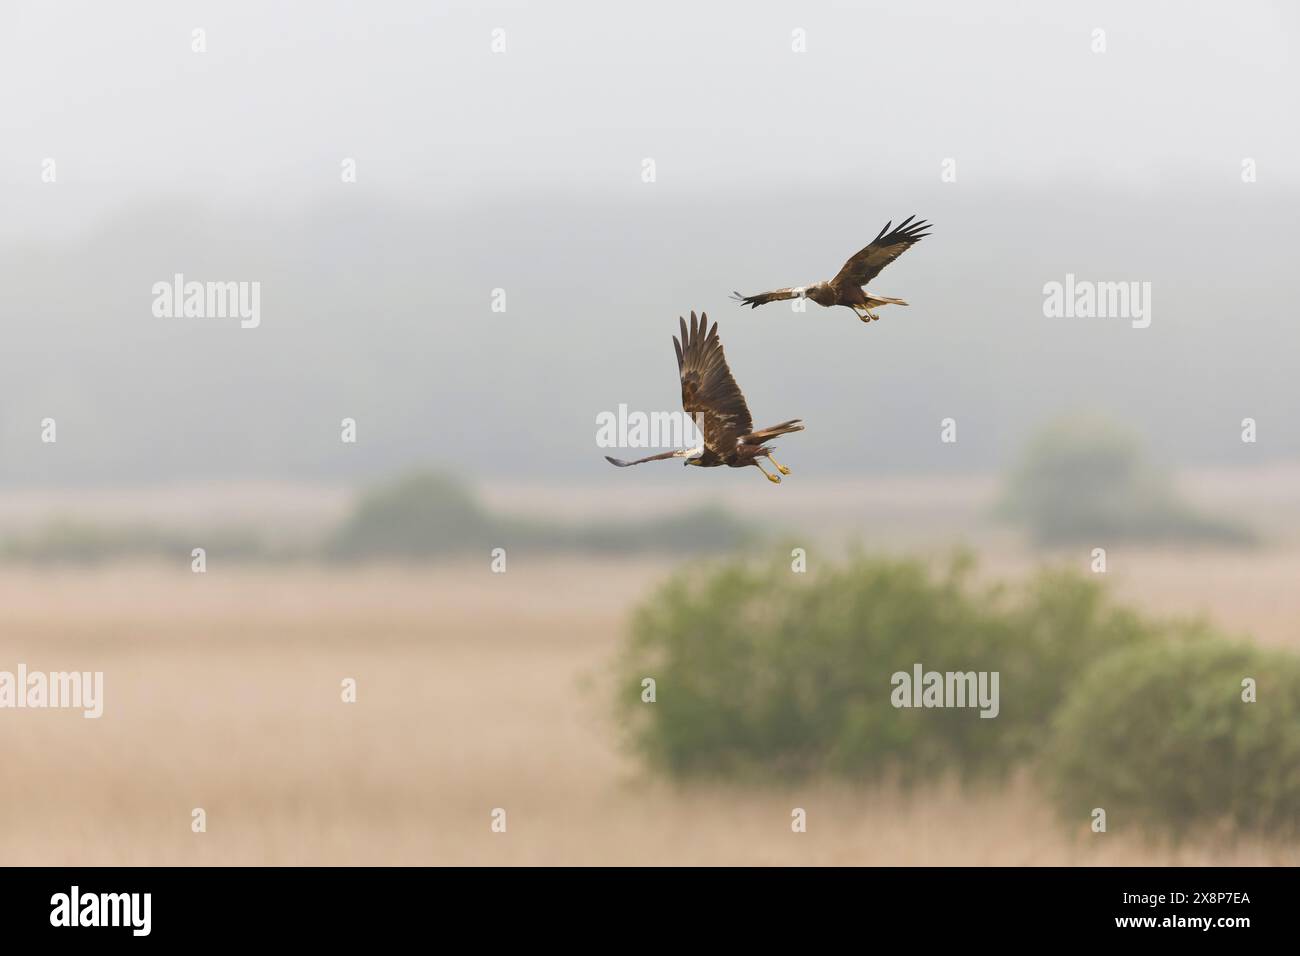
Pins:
x,y
711,396
847,287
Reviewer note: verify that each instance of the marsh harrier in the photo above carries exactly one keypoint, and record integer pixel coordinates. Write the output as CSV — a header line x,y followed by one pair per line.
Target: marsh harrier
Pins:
x,y
847,287
711,396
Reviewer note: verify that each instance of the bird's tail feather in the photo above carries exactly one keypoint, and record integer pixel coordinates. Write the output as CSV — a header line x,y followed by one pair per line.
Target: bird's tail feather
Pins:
x,y
764,434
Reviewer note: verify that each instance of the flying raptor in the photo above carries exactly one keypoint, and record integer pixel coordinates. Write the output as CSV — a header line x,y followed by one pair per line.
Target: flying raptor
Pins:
x,y
711,396
847,287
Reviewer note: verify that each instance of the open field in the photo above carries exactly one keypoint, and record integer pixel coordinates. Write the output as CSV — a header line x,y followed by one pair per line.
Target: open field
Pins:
x,y
475,691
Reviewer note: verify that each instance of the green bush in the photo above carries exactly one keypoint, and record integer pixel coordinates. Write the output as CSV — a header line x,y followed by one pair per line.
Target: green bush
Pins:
x,y
420,515
761,671
1159,734
429,515
1084,480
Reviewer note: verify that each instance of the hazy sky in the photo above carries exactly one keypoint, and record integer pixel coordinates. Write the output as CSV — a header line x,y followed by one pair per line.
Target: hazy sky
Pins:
x,y
584,91
523,170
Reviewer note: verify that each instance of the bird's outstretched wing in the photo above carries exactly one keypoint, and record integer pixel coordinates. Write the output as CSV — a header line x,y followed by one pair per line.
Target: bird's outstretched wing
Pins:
x,y
763,298
640,461
884,249
709,393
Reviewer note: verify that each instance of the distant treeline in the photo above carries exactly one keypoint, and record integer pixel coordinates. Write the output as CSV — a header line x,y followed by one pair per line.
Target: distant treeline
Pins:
x,y
422,516
1079,481
427,515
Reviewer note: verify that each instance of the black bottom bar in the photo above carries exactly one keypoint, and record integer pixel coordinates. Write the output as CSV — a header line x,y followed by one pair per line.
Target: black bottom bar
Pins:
x,y
334,905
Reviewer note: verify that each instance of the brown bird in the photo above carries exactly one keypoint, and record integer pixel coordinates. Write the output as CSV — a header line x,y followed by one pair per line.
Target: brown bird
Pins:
x,y
847,287
711,396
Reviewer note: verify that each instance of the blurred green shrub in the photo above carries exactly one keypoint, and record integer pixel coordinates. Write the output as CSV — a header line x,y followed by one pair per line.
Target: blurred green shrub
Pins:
x,y
1085,480
420,515
1159,735
761,673
429,515
764,672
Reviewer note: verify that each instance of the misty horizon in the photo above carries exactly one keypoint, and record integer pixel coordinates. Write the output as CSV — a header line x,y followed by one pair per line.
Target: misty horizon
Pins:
x,y
522,171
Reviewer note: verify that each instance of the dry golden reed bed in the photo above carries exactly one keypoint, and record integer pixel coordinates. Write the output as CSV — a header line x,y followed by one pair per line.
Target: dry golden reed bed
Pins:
x,y
475,691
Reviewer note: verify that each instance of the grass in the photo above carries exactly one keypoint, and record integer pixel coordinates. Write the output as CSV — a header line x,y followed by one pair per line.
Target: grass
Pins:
x,y
475,691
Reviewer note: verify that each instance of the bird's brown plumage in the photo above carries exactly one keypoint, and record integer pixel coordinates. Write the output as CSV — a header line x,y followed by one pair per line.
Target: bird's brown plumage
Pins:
x,y
620,463
711,396
868,262
763,298
846,288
